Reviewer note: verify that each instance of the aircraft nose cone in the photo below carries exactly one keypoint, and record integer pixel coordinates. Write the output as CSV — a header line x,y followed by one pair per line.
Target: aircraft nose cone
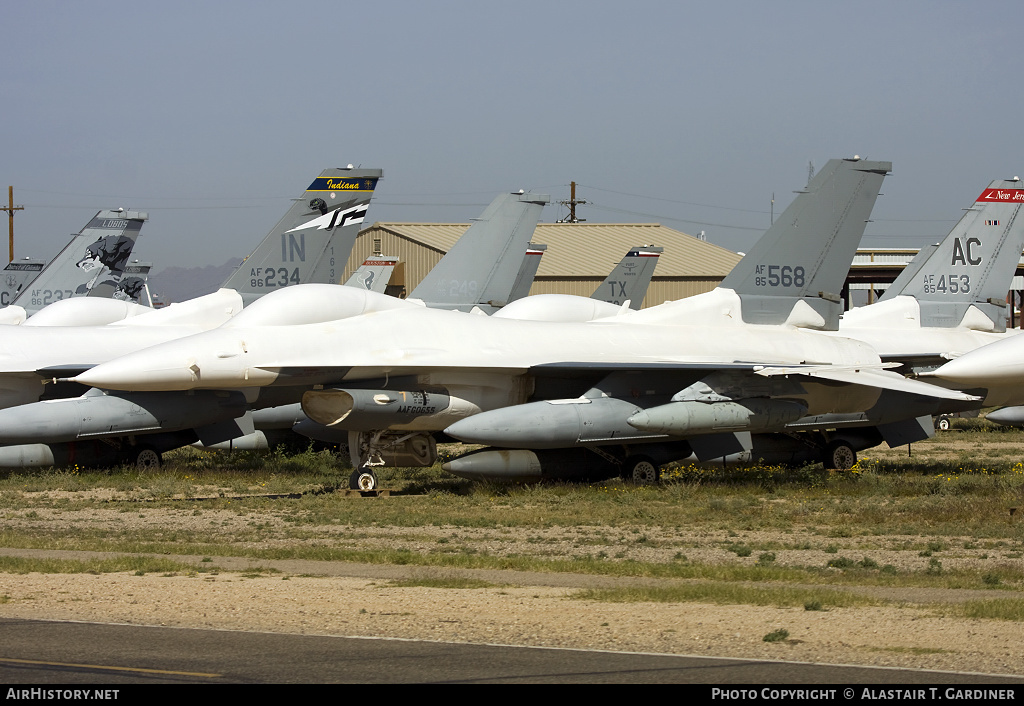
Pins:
x,y
140,372
983,367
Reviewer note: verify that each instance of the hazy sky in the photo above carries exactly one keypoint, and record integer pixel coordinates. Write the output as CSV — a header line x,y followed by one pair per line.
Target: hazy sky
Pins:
x,y
212,115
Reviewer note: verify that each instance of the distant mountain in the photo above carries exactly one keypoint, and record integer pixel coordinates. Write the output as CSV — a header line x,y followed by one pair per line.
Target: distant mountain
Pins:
x,y
176,284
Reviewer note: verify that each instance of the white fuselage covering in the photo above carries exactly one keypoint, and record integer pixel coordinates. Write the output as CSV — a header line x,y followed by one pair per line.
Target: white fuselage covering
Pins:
x,y
893,329
997,368
407,340
26,349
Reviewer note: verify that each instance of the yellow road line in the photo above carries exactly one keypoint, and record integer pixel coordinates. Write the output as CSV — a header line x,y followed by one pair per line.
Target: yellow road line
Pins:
x,y
113,669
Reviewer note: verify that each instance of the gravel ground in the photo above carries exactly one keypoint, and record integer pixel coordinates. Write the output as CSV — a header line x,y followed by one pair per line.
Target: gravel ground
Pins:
x,y
518,608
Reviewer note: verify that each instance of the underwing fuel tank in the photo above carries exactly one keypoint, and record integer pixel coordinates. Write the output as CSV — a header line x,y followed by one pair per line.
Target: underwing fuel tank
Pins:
x,y
552,424
26,456
525,466
93,453
98,414
364,410
1007,416
690,417
257,441
529,466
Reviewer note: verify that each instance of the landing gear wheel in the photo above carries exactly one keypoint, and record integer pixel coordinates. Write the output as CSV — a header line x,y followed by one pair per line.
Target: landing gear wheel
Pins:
x,y
641,470
840,456
363,479
147,459
943,423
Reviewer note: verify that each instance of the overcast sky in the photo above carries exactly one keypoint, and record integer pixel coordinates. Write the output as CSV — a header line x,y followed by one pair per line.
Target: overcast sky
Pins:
x,y
212,115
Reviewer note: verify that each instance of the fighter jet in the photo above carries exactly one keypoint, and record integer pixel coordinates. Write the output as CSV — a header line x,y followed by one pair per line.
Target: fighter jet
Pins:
x,y
92,264
163,421
313,238
627,282
948,300
952,298
747,356
994,369
625,286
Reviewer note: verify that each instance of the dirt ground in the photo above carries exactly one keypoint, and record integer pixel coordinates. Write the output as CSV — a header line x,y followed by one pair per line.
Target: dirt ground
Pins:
x,y
519,608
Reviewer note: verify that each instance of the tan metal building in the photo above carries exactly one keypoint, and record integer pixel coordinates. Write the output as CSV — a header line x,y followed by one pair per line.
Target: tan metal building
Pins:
x,y
578,258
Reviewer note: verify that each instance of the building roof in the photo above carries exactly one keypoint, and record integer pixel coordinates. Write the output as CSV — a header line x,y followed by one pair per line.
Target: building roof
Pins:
x,y
591,249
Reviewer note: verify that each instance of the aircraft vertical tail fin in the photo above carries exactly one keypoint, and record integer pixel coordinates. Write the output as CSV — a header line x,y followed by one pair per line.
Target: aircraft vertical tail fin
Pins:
x,y
313,240
630,278
909,273
973,266
16,276
795,271
374,274
481,268
134,285
527,271
92,264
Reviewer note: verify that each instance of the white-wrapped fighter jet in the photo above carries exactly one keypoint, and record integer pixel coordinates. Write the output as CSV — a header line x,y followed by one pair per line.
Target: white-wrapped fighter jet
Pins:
x,y
948,301
748,356
309,244
477,274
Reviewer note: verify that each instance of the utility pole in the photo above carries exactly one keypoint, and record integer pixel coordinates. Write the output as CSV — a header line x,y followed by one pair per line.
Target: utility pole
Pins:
x,y
572,203
11,208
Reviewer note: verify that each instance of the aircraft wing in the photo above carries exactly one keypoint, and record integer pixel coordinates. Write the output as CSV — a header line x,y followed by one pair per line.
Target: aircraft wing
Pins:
x,y
866,375
869,377
62,372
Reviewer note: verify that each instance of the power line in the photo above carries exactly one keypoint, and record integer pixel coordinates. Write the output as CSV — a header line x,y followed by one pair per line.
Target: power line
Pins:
x,y
674,218
685,203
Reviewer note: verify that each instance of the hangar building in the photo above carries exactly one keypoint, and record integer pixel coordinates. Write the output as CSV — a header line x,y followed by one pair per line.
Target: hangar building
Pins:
x,y
578,257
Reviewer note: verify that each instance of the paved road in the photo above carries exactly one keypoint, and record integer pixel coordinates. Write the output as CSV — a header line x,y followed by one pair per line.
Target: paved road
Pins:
x,y
44,652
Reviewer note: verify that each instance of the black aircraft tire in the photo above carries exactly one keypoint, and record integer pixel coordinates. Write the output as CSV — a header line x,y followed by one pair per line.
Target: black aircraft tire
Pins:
x,y
641,470
943,423
363,479
839,455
